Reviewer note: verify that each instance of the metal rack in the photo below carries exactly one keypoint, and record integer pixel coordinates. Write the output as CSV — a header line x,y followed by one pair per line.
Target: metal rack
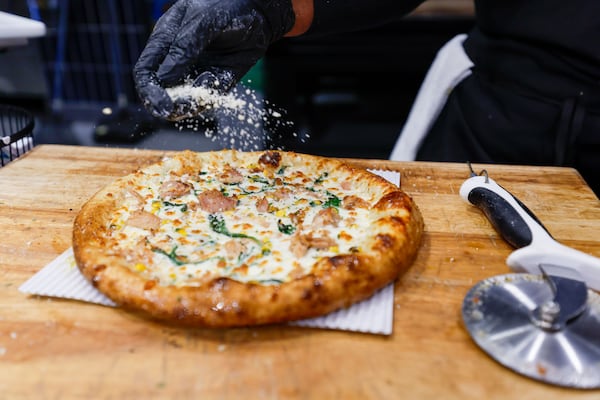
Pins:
x,y
89,52
16,133
90,49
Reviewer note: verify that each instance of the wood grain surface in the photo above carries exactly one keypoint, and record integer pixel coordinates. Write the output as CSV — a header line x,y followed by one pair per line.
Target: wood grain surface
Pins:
x,y
61,349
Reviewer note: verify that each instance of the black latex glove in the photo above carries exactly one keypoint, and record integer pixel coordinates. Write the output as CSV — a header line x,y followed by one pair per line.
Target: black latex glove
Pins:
x,y
213,42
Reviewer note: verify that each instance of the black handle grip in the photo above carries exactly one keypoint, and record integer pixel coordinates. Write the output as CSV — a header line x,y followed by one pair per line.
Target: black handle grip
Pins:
x,y
503,217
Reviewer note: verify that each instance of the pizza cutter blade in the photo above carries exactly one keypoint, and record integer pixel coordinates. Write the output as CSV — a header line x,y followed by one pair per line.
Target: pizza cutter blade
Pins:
x,y
546,327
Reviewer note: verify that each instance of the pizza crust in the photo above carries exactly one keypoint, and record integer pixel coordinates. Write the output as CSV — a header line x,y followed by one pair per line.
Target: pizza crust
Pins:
x,y
334,282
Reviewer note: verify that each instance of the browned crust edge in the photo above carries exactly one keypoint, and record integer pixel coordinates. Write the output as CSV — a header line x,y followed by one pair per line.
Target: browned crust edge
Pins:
x,y
337,282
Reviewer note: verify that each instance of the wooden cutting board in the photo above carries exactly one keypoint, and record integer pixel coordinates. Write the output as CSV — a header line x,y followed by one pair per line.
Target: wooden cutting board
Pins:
x,y
54,348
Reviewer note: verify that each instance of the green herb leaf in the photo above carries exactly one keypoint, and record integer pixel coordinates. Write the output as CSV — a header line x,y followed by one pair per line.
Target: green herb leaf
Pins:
x,y
285,228
270,281
217,224
183,207
172,255
247,192
332,201
179,260
259,179
321,178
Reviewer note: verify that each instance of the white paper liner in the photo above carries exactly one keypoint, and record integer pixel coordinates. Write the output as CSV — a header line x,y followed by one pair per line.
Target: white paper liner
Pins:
x,y
61,278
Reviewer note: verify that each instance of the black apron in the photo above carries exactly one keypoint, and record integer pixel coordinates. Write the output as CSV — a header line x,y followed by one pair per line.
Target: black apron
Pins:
x,y
534,94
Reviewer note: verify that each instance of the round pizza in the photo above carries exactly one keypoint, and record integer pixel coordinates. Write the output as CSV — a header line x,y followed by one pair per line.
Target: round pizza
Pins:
x,y
228,238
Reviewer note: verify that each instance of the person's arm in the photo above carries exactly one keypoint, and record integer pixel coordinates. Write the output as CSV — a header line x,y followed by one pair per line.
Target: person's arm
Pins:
x,y
318,17
304,13
213,43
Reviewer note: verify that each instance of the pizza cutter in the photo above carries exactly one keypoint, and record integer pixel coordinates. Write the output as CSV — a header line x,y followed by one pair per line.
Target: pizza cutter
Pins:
x,y
544,324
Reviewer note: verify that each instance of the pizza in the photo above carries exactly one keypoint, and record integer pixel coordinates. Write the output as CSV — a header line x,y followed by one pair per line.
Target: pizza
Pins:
x,y
229,238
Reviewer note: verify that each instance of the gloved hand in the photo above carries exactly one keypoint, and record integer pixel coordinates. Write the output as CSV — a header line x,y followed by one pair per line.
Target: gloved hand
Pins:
x,y
213,42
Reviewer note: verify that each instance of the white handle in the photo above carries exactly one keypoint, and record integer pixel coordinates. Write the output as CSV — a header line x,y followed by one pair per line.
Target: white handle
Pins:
x,y
518,226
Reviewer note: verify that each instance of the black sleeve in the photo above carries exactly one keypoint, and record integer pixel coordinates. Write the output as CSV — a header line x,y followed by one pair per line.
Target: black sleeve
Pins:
x,y
337,16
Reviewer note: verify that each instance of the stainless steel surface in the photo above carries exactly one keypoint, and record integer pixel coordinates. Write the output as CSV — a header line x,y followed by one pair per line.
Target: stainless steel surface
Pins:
x,y
538,327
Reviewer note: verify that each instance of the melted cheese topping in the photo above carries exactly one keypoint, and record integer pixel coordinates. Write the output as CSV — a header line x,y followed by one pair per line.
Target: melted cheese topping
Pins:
x,y
283,222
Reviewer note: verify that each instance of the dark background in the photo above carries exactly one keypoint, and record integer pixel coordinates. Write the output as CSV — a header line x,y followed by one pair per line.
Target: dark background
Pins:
x,y
343,95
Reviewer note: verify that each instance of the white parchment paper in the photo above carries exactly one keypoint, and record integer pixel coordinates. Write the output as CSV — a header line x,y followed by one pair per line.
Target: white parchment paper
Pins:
x,y
61,278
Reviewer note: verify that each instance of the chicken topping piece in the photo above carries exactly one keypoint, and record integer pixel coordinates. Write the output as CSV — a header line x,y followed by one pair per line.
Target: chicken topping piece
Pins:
x,y
302,242
351,202
213,201
231,175
174,189
270,159
282,193
326,216
234,248
144,220
262,205
297,217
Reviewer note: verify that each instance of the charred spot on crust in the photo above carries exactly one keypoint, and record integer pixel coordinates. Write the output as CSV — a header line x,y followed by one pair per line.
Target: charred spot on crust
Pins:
x,y
312,292
240,313
180,312
307,294
99,268
348,261
149,285
96,276
385,240
270,158
398,220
